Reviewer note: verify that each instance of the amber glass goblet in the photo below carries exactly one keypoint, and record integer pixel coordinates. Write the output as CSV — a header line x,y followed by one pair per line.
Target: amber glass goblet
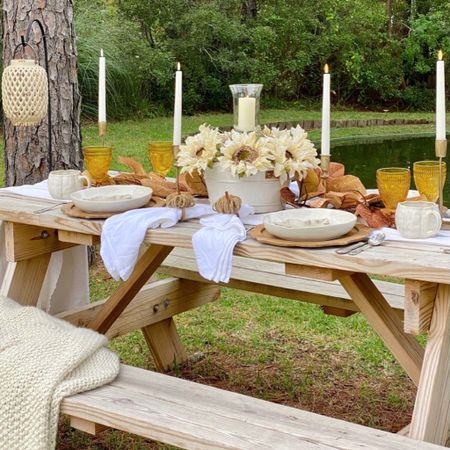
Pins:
x,y
161,157
393,184
426,178
98,161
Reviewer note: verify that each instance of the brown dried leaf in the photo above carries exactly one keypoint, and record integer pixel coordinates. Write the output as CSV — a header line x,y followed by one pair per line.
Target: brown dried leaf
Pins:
x,y
375,217
195,184
288,197
135,166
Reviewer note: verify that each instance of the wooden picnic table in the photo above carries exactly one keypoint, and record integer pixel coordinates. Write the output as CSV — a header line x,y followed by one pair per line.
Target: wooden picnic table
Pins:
x,y
31,238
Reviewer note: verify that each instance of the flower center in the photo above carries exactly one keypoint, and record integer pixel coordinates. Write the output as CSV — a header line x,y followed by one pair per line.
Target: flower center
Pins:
x,y
199,152
245,153
289,155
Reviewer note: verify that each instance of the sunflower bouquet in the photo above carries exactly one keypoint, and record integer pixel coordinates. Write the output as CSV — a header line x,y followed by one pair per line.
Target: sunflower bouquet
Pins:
x,y
289,154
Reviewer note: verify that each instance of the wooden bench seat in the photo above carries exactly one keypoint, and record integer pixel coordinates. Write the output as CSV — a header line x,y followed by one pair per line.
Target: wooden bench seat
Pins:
x,y
269,278
194,416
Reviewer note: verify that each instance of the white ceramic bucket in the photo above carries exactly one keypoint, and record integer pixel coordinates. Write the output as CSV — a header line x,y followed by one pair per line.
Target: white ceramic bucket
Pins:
x,y
262,191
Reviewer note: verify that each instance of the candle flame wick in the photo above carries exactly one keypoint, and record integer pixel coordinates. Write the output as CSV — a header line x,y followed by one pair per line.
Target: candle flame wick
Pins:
x,y
440,55
178,66
326,69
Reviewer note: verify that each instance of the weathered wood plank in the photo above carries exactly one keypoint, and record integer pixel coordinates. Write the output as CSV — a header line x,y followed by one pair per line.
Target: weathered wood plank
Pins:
x,y
269,278
165,344
23,280
155,302
419,302
195,416
431,416
315,273
77,238
26,242
87,426
146,266
388,326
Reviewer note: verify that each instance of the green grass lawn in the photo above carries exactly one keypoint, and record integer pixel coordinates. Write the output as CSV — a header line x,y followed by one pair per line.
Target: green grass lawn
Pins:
x,y
284,351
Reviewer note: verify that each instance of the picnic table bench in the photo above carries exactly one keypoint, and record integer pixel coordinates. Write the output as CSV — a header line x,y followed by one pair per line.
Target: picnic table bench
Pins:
x,y
303,274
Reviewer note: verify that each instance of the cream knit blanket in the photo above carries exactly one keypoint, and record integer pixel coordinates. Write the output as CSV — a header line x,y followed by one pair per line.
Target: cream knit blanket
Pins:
x,y
42,360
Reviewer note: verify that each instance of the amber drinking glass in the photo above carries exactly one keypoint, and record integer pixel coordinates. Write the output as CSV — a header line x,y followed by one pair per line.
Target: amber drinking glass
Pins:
x,y
97,161
393,184
161,157
426,177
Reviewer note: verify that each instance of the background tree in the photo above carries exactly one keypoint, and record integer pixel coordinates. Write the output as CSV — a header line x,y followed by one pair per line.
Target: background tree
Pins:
x,y
26,149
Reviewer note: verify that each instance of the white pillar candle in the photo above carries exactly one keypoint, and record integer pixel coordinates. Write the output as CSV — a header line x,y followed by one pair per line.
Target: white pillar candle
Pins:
x,y
246,114
177,114
325,141
440,98
101,88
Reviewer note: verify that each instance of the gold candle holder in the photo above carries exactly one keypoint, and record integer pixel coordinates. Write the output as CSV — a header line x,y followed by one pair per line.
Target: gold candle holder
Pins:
x,y
441,152
325,166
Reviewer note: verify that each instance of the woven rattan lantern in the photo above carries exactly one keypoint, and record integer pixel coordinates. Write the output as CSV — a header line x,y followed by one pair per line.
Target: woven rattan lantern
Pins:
x,y
25,92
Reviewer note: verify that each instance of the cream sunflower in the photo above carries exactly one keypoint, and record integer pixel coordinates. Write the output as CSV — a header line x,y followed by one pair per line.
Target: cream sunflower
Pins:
x,y
245,154
293,153
200,151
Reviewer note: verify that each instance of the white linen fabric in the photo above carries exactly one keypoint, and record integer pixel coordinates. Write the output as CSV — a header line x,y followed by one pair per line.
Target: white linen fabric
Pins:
x,y
442,238
214,243
123,234
66,285
43,360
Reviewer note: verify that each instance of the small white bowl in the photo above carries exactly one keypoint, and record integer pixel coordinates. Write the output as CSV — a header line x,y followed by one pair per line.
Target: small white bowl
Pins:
x,y
309,224
112,199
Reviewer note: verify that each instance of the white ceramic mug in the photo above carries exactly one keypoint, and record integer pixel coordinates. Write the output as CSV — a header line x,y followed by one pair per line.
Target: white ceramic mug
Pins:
x,y
416,220
63,183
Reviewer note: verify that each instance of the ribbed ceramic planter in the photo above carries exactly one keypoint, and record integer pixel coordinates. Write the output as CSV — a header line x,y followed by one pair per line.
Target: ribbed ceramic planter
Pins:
x,y
261,191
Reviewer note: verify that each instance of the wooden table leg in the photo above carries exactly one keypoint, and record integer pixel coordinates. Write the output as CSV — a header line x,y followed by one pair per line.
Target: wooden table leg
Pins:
x,y
431,417
146,266
385,322
24,279
164,343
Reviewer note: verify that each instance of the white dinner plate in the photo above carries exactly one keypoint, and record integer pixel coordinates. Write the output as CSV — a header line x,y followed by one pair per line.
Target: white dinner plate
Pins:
x,y
107,199
309,224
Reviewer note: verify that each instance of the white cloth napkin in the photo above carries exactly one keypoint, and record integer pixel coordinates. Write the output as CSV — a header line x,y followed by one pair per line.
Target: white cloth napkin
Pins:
x,y
64,287
214,243
123,234
442,238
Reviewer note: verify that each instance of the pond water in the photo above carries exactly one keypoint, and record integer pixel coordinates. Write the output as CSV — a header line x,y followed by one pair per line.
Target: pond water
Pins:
x,y
362,157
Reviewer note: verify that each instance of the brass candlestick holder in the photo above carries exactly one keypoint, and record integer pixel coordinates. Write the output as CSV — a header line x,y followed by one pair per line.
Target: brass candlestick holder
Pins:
x,y
441,153
325,166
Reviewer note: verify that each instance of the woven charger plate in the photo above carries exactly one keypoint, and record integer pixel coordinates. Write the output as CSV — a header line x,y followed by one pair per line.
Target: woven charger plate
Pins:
x,y
358,233
69,209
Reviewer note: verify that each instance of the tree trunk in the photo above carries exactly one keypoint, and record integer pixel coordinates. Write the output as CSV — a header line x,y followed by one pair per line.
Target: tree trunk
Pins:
x,y
26,148
389,17
249,9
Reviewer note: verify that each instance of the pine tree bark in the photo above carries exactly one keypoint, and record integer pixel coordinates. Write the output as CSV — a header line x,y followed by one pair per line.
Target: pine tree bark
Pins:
x,y
26,148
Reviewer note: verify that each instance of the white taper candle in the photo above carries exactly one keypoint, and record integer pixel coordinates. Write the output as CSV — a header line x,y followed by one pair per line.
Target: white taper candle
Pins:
x,y
440,98
177,114
102,88
325,142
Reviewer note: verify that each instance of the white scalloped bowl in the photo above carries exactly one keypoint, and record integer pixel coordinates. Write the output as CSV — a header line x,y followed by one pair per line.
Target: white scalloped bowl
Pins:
x,y
112,199
309,224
